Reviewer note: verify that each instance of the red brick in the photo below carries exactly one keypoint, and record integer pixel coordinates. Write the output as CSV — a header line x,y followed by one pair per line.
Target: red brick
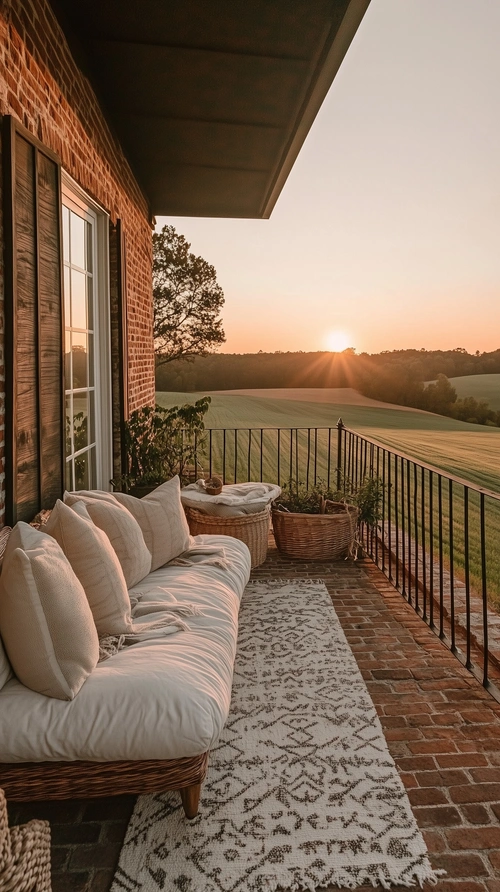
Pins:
x,y
391,673
474,838
495,859
434,840
427,796
486,775
441,778
460,865
420,747
476,814
439,816
475,793
461,760
460,886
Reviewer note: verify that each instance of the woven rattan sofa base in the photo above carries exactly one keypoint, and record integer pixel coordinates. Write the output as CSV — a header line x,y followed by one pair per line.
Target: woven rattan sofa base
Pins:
x,y
30,781
252,529
315,537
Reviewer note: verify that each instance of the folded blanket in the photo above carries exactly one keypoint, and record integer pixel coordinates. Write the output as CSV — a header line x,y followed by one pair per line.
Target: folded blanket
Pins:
x,y
211,555
168,624
235,499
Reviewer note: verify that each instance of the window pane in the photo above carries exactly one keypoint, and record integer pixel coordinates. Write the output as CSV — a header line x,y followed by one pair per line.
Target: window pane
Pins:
x,y
69,426
92,468
90,302
79,352
92,431
67,360
65,220
91,359
77,241
80,421
69,475
78,299
82,471
67,297
89,246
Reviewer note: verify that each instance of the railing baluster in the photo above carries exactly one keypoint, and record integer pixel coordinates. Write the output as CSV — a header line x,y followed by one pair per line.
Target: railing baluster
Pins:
x,y
415,526
279,456
424,544
249,464
452,578
261,454
308,456
484,590
468,663
396,516
235,455
403,525
441,569
431,549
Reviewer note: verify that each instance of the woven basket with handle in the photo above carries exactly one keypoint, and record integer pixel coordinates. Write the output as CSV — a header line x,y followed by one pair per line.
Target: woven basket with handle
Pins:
x,y
316,537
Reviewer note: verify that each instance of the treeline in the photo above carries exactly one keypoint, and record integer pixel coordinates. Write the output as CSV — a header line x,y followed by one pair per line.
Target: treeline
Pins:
x,y
396,376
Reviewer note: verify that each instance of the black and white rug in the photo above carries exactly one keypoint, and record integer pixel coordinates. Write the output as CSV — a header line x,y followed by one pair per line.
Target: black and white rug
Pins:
x,y
301,792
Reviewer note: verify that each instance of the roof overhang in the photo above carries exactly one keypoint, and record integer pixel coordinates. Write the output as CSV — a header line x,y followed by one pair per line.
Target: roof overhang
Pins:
x,y
211,101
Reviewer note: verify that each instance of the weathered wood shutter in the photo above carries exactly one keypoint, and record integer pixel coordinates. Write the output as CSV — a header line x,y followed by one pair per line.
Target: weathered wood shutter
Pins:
x,y
34,325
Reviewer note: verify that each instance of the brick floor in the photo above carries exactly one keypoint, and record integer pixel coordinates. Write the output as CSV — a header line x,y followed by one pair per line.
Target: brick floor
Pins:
x,y
442,727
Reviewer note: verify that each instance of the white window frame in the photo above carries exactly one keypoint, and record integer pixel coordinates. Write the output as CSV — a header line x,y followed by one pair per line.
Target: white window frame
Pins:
x,y
74,195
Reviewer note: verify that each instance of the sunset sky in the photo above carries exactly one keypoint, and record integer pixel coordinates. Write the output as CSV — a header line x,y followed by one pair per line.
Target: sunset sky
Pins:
x,y
387,232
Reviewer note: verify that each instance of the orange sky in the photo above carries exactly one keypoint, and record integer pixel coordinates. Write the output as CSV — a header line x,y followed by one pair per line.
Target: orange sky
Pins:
x,y
388,228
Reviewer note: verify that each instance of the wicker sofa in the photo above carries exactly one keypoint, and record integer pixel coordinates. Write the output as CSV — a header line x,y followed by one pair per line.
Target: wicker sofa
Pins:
x,y
146,718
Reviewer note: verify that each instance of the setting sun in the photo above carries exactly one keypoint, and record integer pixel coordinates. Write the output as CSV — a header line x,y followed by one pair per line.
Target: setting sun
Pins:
x,y
336,341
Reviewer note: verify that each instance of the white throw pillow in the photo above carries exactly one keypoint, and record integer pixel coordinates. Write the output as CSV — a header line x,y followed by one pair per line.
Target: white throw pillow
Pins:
x,y
5,667
45,618
94,561
123,532
162,520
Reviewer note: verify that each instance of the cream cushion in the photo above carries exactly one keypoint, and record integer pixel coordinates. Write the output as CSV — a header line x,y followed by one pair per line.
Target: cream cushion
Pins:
x,y
5,667
162,520
45,618
123,532
162,698
96,564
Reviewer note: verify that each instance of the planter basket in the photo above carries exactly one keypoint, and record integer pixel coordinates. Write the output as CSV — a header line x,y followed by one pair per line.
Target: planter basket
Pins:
x,y
24,855
316,537
253,529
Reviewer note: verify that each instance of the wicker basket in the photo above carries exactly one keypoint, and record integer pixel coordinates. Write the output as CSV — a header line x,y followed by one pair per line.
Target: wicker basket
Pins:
x,y
316,537
253,529
24,855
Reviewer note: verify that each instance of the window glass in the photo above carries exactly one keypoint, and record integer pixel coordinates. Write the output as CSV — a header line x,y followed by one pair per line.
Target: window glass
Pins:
x,y
79,234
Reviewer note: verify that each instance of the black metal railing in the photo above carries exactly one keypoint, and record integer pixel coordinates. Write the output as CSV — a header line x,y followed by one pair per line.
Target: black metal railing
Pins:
x,y
271,455
437,542
437,539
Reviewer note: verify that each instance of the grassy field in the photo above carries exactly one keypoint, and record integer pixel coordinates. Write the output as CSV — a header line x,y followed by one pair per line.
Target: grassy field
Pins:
x,y
481,387
468,451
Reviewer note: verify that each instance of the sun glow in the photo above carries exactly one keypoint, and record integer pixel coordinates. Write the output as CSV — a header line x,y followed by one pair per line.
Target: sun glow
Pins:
x,y
338,340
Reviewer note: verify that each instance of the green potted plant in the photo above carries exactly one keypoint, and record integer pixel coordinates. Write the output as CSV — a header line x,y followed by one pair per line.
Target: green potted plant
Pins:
x,y
323,524
161,443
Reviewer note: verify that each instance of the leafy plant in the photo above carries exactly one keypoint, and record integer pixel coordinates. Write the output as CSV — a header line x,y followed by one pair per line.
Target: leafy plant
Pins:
x,y
162,442
298,499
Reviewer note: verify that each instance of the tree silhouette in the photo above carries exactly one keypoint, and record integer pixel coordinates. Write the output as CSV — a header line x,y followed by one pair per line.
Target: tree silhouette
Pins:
x,y
186,299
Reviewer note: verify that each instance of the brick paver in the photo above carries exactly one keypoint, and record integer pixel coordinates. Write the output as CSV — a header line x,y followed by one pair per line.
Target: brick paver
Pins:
x,y
442,728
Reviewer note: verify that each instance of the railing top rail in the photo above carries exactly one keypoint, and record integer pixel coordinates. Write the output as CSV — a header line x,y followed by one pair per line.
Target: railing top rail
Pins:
x,y
420,464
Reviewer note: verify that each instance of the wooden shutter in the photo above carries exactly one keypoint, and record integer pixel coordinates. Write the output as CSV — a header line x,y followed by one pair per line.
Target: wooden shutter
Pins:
x,y
34,325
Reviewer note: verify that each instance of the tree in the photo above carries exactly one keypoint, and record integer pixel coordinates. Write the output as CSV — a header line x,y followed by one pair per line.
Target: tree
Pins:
x,y
186,300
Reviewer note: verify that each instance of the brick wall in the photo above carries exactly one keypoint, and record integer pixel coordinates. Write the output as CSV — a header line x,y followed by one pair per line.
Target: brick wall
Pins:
x,y
42,87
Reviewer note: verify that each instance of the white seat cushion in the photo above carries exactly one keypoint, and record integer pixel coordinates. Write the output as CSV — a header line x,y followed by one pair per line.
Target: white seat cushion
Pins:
x,y
45,618
96,565
162,520
123,532
160,699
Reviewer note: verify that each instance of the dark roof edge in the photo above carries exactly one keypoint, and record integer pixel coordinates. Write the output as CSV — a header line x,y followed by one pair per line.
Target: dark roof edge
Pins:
x,y
314,100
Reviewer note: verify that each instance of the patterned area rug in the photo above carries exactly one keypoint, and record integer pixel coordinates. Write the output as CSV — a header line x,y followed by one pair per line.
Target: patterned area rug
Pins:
x,y
301,792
